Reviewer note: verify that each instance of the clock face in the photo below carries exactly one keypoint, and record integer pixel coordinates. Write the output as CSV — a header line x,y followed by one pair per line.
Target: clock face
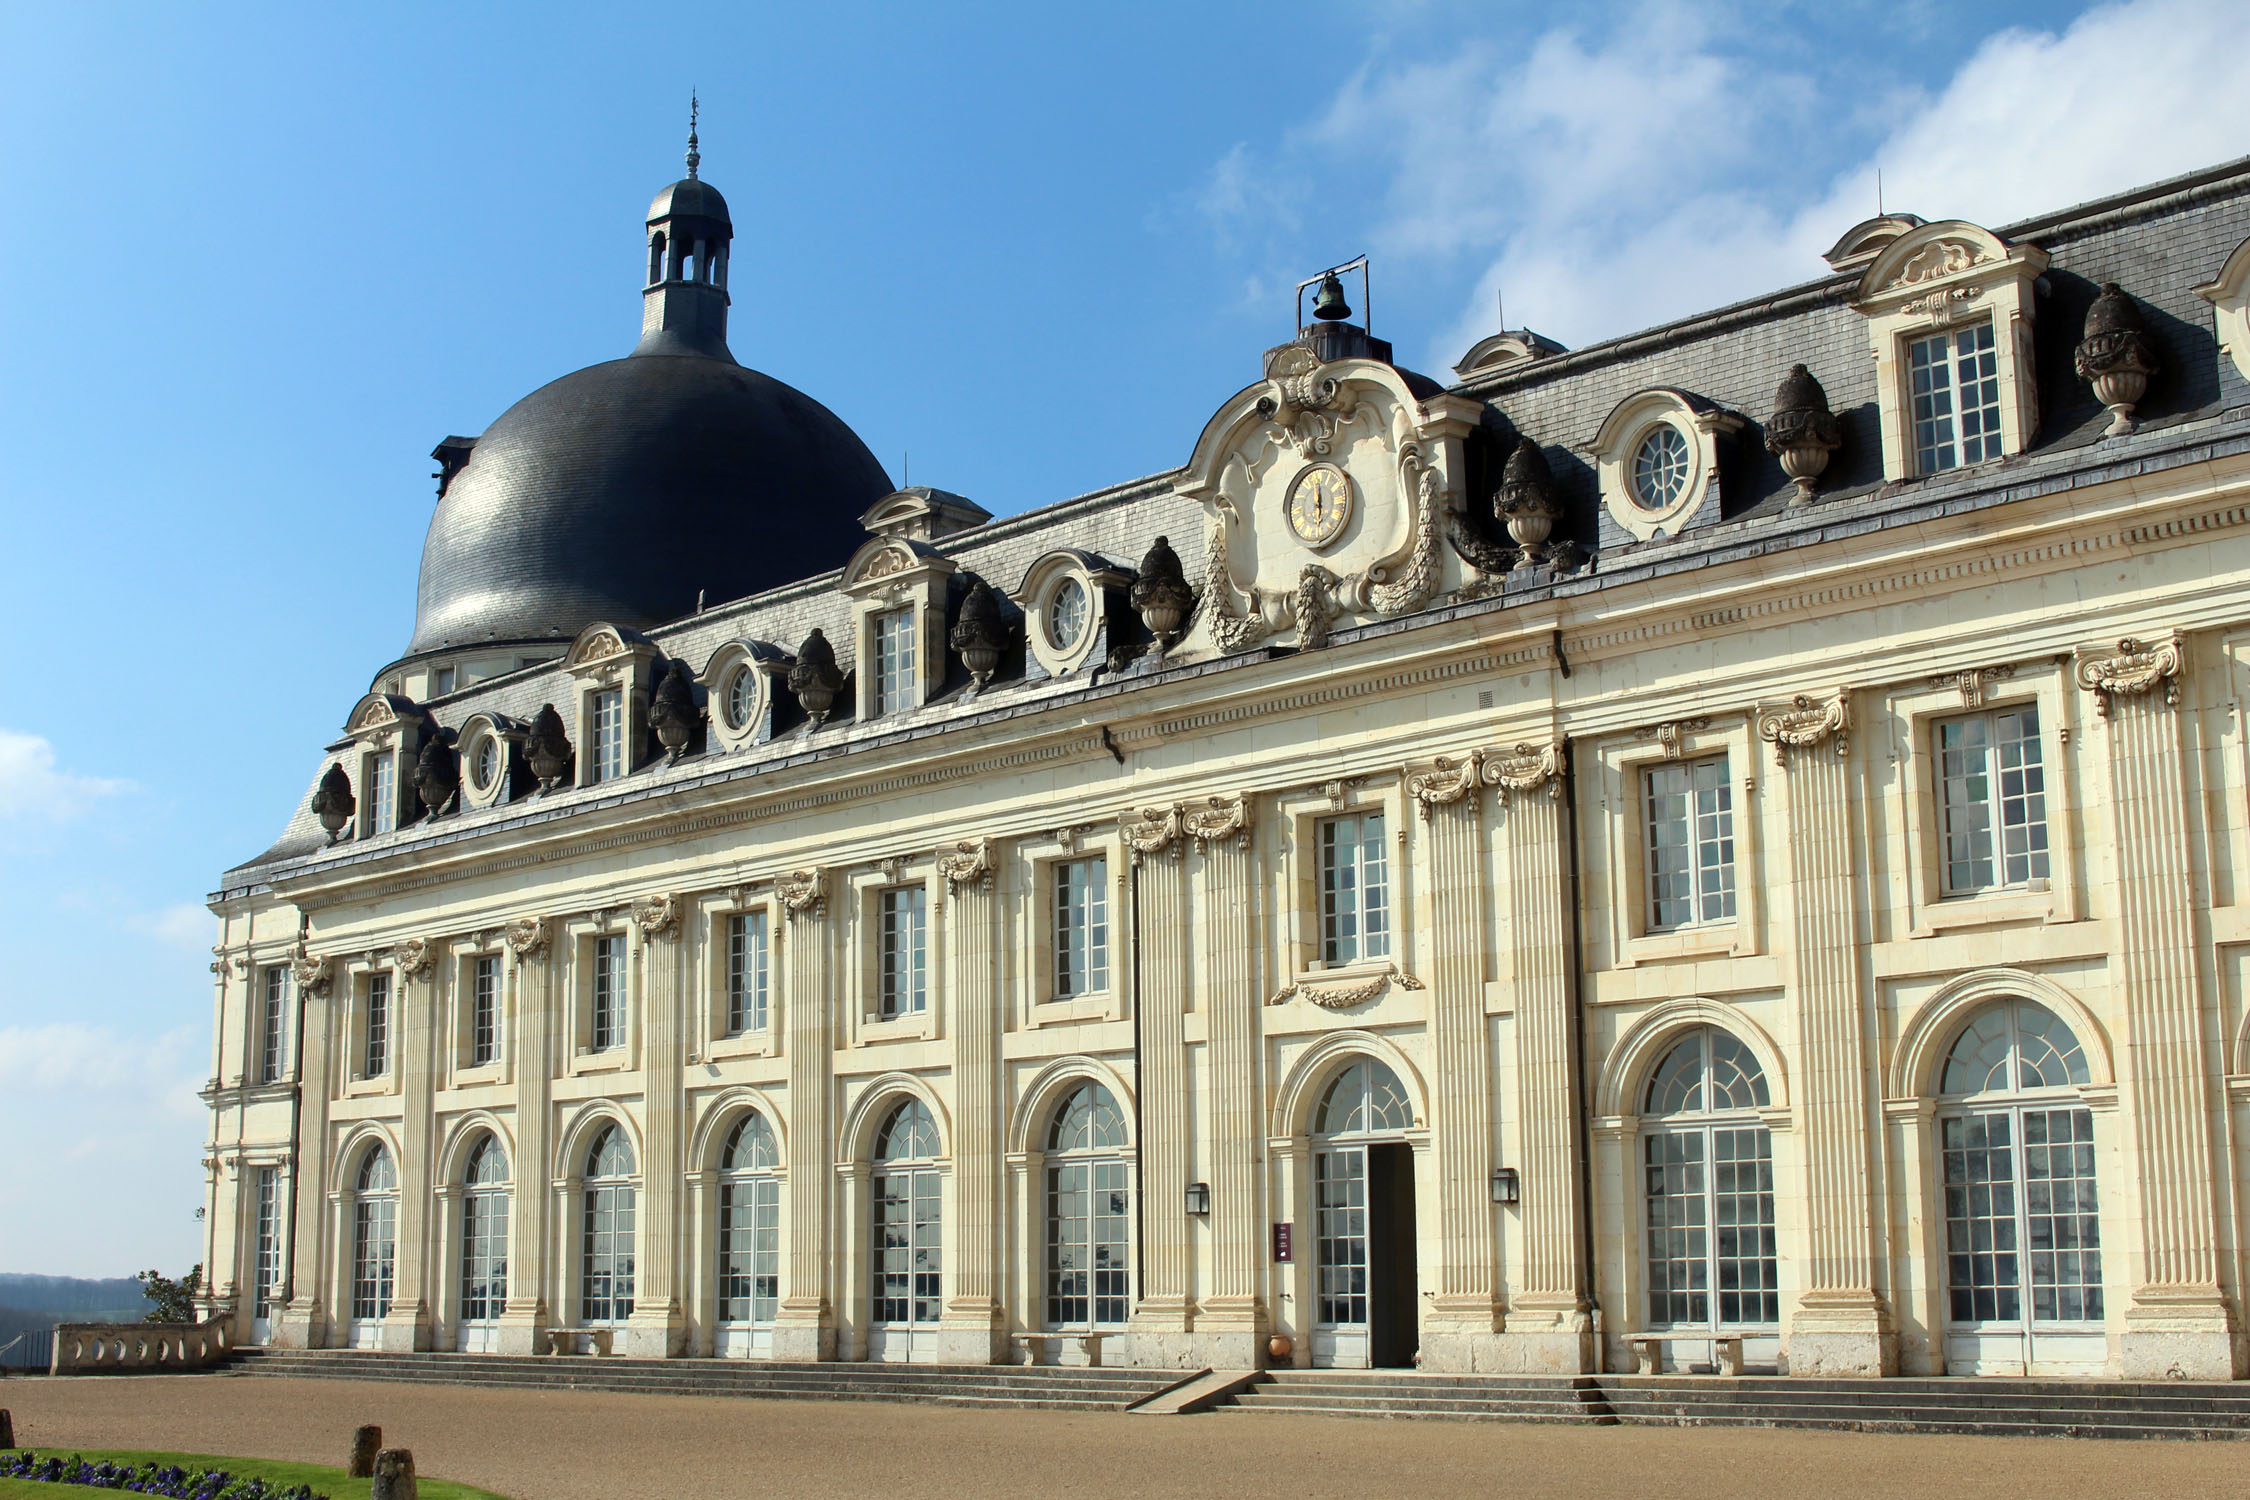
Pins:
x,y
1320,503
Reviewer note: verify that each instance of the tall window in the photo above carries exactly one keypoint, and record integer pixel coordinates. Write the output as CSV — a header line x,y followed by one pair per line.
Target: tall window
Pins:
x,y
1365,1101
1956,395
1081,927
1690,844
1355,911
749,1224
1708,1187
908,1200
484,1234
894,660
1992,800
382,793
2023,1232
377,1059
608,1009
606,1267
484,1012
747,972
1089,1267
265,1271
374,1237
608,758
903,957
273,1023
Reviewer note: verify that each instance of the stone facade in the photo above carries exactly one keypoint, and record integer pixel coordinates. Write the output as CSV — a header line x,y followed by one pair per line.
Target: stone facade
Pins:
x,y
1838,683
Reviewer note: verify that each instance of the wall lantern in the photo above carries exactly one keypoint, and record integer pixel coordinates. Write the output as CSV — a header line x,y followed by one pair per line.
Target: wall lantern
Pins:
x,y
1199,1199
1504,1187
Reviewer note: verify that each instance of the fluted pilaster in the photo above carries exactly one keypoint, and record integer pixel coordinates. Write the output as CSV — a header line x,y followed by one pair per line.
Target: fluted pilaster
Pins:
x,y
1463,1314
972,1001
805,1325
1160,885
1233,1310
535,1261
659,1323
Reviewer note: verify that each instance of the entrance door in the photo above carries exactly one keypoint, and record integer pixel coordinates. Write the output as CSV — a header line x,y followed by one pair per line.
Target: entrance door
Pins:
x,y
1367,1304
266,1271
909,1294
2023,1240
1394,1332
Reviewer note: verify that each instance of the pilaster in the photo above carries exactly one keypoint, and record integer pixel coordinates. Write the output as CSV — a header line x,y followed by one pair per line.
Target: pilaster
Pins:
x,y
658,1326
974,1325
1161,1316
534,1276
805,1323
406,1327
299,1320
1231,1322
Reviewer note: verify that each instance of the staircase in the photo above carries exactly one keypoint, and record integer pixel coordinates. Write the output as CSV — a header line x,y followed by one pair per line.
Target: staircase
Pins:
x,y
1022,1386
1982,1407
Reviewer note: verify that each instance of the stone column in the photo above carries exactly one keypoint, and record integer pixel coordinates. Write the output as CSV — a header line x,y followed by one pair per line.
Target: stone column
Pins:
x,y
1842,1323
805,1323
1163,1312
2179,1325
1231,1324
974,1326
658,1327
1549,1326
1463,1315
300,1322
407,1326
534,1278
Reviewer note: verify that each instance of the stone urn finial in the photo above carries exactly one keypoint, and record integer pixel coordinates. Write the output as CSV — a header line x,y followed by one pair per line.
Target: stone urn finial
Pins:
x,y
671,711
1803,432
2116,356
1161,594
332,801
548,748
1526,501
981,634
816,679
437,773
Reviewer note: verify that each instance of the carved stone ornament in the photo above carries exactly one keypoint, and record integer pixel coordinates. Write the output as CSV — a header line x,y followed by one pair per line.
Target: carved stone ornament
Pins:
x,y
1417,580
672,712
1671,735
1345,996
332,801
803,892
1232,628
1446,782
1152,830
656,916
548,748
416,957
1806,722
1162,595
970,859
437,774
1218,818
1972,682
312,972
816,679
981,634
1803,432
1314,605
526,938
1528,768
2136,667
1526,503
2116,356
1939,258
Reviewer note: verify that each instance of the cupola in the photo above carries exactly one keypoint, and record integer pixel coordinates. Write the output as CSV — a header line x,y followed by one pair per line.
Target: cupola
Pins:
x,y
684,307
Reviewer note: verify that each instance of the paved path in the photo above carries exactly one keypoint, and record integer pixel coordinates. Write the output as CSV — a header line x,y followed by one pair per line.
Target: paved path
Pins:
x,y
567,1445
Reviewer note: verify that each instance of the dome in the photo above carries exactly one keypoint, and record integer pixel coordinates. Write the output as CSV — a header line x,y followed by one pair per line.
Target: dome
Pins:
x,y
690,197
624,491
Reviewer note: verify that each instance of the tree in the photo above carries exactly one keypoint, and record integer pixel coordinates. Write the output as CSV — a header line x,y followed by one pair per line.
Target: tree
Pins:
x,y
171,1301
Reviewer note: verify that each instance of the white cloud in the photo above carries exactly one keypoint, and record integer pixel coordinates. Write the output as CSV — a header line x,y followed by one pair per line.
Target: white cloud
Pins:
x,y
186,926
32,786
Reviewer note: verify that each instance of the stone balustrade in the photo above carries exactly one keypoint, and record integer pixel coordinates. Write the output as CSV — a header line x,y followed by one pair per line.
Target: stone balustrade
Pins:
x,y
138,1348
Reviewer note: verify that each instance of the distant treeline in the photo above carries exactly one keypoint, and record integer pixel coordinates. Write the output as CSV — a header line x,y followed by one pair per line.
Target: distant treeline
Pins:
x,y
28,1302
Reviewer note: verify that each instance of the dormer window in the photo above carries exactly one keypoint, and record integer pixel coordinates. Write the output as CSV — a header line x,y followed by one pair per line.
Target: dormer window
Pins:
x,y
1067,611
741,696
1657,459
382,793
1660,468
894,661
606,751
1956,378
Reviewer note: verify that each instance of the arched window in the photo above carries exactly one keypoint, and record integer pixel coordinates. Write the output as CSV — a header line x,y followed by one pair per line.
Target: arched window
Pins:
x,y
656,257
606,1283
907,1220
749,1226
1708,1186
2022,1212
1364,1196
1089,1266
374,1239
484,1233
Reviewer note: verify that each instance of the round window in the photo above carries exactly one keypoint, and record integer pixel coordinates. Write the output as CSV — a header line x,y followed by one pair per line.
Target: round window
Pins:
x,y
484,762
1660,468
742,695
1066,614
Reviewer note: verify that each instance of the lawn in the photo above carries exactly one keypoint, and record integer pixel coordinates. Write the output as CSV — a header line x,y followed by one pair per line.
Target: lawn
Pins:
x,y
324,1480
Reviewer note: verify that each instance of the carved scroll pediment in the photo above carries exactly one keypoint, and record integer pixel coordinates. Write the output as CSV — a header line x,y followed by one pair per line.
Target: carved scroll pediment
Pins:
x,y
1446,782
1527,768
970,859
1805,722
312,972
526,937
803,892
1219,818
2133,668
417,956
1151,830
1939,258
656,916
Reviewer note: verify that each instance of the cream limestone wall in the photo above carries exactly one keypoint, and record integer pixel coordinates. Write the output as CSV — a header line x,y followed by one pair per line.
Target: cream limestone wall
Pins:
x,y
1522,1005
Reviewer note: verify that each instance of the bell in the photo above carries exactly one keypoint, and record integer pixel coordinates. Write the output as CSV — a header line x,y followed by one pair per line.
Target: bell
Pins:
x,y
1328,303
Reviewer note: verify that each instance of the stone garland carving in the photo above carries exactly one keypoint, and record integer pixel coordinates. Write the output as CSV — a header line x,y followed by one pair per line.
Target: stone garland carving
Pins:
x,y
1152,830
970,859
1218,818
1414,585
1446,782
526,938
1972,682
416,957
1345,996
656,916
1231,629
1528,768
1671,735
1315,605
1805,723
803,892
2134,668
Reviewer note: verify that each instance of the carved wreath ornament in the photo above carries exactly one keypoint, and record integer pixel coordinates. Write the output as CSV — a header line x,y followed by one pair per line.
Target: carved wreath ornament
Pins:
x,y
1347,995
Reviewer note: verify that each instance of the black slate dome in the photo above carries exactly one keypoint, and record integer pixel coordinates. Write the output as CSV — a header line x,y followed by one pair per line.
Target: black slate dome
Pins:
x,y
628,489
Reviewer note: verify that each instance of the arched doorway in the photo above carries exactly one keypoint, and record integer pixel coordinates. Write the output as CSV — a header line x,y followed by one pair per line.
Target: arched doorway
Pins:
x,y
1368,1312
374,1245
1089,1214
749,1238
908,1196
1707,1197
605,1269
484,1246
2023,1243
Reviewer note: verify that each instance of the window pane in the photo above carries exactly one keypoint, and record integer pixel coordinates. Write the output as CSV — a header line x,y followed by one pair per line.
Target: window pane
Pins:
x,y
747,973
608,1029
377,1061
484,1012
902,957
894,661
1354,890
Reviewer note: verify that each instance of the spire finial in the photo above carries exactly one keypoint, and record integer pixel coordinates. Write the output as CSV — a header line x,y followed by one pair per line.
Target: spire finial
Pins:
x,y
694,157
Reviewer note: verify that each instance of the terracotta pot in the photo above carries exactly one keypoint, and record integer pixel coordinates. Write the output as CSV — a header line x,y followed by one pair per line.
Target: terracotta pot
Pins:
x,y
1279,1346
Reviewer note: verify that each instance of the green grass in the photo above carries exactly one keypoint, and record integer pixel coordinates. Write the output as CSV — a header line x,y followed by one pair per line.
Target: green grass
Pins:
x,y
324,1480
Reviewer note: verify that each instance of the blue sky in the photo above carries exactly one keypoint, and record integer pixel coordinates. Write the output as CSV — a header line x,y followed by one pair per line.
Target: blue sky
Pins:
x,y
255,262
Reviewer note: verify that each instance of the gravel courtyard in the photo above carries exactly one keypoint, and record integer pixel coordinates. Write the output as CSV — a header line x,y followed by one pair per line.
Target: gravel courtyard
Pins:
x,y
537,1445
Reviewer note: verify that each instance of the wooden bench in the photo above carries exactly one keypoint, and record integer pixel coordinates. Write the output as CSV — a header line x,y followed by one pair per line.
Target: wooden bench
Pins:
x,y
1090,1342
1646,1346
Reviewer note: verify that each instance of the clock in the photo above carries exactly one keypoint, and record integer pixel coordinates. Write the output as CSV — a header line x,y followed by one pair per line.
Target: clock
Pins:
x,y
1320,505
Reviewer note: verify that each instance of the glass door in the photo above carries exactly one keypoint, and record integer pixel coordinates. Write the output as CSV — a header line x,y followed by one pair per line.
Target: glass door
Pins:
x,y
909,1292
2023,1244
265,1273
